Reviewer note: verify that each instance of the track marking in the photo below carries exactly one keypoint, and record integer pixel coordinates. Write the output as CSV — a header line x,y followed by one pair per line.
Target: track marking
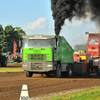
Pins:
x,y
24,93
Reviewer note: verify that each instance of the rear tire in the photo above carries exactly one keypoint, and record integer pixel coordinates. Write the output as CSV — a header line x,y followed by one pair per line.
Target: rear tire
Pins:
x,y
70,71
28,74
57,72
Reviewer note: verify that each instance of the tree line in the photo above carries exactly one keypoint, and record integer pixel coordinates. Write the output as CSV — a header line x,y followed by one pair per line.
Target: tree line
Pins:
x,y
78,47
8,35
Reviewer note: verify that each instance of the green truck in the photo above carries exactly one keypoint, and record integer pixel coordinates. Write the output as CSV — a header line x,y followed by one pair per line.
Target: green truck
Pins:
x,y
47,54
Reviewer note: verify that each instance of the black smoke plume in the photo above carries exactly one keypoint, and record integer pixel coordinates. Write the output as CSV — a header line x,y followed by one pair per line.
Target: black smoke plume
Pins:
x,y
67,9
95,10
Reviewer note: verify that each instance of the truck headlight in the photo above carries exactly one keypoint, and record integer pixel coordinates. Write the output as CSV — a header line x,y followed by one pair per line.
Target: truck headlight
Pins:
x,y
24,65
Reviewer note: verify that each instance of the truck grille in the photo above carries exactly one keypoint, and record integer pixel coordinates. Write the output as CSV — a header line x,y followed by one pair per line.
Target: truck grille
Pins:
x,y
36,66
37,56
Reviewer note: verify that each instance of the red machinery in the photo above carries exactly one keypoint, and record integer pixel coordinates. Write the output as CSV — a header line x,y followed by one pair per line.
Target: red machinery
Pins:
x,y
93,48
93,44
90,61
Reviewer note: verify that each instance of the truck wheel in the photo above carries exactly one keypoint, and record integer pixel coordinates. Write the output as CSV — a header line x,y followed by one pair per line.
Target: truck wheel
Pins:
x,y
57,73
70,71
4,63
28,74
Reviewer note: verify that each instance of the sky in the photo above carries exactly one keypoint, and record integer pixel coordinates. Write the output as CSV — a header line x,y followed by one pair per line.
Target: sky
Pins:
x,y
35,17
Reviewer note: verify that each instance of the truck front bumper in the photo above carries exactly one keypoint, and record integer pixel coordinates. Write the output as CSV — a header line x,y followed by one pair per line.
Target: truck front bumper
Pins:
x,y
37,66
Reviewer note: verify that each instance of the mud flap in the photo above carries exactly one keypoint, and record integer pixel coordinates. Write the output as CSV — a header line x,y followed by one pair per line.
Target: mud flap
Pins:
x,y
85,69
88,70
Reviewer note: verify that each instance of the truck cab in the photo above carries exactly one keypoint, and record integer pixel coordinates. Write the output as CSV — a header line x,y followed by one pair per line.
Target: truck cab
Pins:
x,y
46,54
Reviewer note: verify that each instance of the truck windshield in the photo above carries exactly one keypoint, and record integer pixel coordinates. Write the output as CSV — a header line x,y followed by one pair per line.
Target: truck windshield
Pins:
x,y
93,41
37,43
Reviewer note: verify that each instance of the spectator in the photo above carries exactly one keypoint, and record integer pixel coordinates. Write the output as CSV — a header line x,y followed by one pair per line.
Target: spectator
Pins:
x,y
18,59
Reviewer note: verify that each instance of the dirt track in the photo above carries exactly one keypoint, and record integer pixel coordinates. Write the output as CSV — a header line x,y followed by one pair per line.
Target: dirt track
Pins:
x,y
11,84
13,65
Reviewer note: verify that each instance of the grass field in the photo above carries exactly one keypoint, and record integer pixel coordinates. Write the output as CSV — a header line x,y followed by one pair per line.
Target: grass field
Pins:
x,y
11,70
93,94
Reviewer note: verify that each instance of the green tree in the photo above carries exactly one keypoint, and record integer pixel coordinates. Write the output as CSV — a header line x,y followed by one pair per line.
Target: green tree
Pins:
x,y
80,47
1,34
19,33
11,34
